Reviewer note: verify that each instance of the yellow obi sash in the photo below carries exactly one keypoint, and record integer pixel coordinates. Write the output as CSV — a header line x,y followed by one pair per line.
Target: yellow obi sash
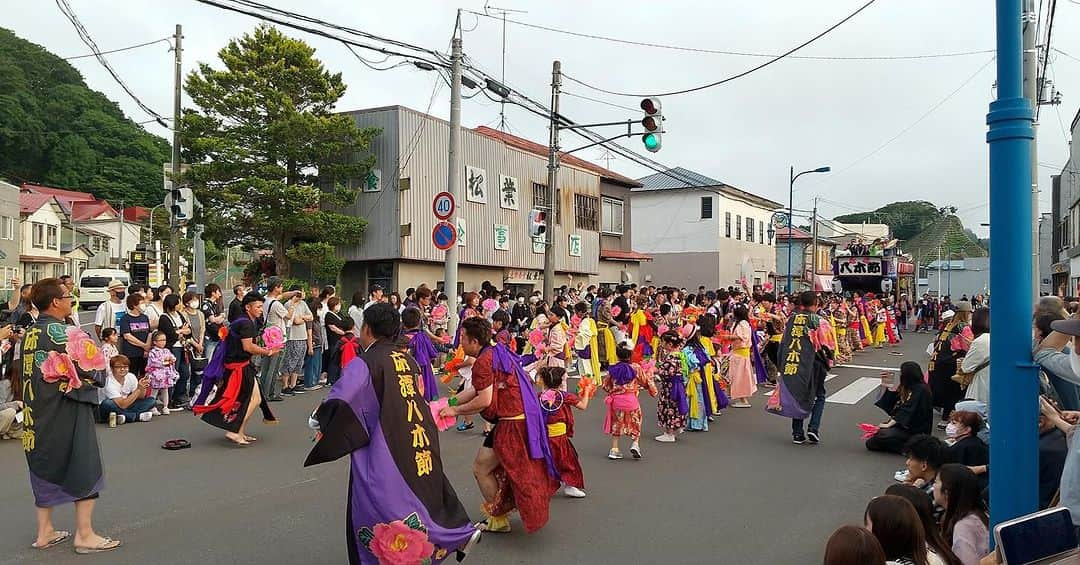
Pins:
x,y
557,429
741,352
518,417
776,338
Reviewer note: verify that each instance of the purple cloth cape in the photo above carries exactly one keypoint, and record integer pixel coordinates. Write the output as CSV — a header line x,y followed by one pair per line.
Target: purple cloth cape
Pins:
x,y
621,373
506,361
424,352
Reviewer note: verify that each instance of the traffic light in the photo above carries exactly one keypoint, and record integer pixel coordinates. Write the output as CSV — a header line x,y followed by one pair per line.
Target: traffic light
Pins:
x,y
537,222
181,206
653,122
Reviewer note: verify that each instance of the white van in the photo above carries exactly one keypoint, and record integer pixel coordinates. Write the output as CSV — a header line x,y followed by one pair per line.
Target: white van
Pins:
x,y
94,286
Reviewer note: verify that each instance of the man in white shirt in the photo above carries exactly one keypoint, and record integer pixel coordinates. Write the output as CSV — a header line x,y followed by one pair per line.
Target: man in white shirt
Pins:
x,y
109,312
375,296
125,395
278,315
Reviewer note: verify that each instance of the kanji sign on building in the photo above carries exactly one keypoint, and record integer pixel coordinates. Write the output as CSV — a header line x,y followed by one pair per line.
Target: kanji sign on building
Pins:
x,y
575,245
538,245
502,237
859,266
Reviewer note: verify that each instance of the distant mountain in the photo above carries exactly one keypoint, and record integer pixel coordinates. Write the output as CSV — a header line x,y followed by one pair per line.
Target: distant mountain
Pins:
x,y
55,130
944,239
905,219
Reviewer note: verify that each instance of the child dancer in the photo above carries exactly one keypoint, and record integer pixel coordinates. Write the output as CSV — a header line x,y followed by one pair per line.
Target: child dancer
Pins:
x,y
560,422
672,405
109,339
623,416
161,368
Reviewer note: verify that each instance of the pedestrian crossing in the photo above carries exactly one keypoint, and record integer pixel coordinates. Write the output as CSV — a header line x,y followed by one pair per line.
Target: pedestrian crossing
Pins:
x,y
856,391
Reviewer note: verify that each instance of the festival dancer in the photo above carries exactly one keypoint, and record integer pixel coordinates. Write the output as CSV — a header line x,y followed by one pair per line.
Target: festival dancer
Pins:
x,y
672,405
401,507
59,435
801,391
841,323
740,368
705,394
557,405
514,467
238,393
586,344
624,415
641,331
605,328
422,350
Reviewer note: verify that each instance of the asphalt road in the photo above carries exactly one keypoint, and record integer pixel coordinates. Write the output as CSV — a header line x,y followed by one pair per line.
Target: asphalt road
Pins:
x,y
741,493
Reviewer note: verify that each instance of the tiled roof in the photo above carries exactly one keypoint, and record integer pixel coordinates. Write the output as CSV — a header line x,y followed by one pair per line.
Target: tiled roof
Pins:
x,y
79,205
676,178
136,214
87,210
30,203
542,151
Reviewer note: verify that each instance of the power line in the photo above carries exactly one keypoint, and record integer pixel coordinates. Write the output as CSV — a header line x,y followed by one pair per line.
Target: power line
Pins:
x,y
128,48
734,53
736,76
1077,59
84,35
1041,76
598,101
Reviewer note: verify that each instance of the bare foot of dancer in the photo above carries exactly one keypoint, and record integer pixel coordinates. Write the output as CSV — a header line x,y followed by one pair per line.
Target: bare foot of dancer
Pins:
x,y
236,438
251,439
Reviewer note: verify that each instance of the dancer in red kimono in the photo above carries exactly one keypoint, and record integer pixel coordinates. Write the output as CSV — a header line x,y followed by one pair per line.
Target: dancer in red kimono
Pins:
x,y
557,405
514,468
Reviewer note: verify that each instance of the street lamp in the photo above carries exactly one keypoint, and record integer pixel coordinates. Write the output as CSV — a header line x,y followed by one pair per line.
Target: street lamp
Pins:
x,y
791,205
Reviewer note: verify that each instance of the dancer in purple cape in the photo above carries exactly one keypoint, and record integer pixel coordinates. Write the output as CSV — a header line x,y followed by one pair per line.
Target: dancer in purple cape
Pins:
x,y
422,350
800,390
401,507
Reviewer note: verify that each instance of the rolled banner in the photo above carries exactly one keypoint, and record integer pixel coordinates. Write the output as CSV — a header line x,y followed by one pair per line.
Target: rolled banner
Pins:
x,y
442,422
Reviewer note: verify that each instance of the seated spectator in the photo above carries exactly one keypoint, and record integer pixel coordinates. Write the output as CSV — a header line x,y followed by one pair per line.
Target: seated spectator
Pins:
x,y
852,545
125,395
1053,447
966,521
910,408
896,526
967,448
939,551
925,455
10,427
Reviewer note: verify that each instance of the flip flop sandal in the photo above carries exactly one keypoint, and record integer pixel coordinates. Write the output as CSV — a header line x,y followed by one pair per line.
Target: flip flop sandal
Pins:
x,y
176,444
108,545
60,538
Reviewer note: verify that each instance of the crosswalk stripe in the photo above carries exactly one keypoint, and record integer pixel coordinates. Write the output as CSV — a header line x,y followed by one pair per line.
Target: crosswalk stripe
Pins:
x,y
869,367
856,391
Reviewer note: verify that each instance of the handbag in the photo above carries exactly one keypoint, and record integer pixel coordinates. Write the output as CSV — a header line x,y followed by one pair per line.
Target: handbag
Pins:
x,y
965,378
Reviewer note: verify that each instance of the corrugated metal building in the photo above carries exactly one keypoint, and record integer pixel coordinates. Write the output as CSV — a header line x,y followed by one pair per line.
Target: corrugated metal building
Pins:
x,y
503,179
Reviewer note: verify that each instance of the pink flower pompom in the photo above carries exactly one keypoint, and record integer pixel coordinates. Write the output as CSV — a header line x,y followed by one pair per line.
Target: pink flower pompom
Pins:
x,y
662,329
615,311
536,337
398,544
59,367
84,351
490,305
439,312
869,430
273,338
443,423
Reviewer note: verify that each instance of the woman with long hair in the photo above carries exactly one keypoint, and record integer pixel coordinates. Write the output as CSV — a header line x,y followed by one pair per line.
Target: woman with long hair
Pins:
x,y
852,545
356,309
740,368
950,347
910,411
966,521
935,544
897,527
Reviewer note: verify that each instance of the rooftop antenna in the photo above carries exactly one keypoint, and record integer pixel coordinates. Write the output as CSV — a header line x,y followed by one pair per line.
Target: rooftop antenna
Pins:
x,y
489,10
607,157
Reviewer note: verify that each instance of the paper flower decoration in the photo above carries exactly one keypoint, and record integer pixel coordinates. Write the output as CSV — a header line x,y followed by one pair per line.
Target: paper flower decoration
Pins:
x,y
273,338
490,305
442,422
536,338
222,333
440,312
59,367
84,351
869,430
615,311
648,367
398,544
586,388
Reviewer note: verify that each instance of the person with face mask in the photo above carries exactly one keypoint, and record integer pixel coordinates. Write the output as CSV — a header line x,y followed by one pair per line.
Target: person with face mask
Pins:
x,y
965,446
196,342
108,313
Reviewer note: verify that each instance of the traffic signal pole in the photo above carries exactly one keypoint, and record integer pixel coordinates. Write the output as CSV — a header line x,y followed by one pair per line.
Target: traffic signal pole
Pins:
x,y
552,188
1014,390
174,234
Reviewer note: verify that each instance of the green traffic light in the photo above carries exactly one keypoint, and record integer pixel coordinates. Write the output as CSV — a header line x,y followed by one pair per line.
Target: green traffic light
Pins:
x,y
651,141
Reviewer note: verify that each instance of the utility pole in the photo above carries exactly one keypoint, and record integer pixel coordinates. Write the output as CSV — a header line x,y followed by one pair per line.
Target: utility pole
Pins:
x,y
174,234
120,244
1030,19
453,171
790,223
199,259
813,252
552,189
939,265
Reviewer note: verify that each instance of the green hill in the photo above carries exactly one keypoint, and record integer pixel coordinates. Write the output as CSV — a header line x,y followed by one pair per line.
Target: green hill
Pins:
x,y
945,238
55,130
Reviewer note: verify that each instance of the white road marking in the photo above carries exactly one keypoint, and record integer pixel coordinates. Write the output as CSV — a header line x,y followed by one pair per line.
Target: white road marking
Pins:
x,y
869,367
856,391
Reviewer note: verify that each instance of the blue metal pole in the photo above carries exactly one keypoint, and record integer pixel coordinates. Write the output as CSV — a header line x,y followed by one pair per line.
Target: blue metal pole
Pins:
x,y
1014,389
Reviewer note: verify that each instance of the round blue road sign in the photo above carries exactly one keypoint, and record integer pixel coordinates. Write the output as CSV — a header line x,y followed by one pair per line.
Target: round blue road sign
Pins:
x,y
444,236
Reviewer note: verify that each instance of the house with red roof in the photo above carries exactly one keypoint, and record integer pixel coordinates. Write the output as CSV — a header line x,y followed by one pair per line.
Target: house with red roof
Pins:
x,y
92,223
503,178
41,221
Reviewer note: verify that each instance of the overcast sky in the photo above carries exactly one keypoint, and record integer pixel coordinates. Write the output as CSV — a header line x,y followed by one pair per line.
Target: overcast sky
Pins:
x,y
805,113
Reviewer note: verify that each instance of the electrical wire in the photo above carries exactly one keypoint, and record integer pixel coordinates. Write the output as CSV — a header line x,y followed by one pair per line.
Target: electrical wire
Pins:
x,y
604,102
1077,59
735,76
733,53
128,48
84,35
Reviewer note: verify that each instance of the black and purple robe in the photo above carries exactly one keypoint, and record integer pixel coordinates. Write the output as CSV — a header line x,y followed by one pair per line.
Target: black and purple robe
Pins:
x,y
376,415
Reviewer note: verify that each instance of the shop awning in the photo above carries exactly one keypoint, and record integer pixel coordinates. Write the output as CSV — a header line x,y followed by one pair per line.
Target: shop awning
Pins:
x,y
619,255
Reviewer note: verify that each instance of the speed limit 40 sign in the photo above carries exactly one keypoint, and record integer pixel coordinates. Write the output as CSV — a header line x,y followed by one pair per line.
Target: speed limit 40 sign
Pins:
x,y
443,205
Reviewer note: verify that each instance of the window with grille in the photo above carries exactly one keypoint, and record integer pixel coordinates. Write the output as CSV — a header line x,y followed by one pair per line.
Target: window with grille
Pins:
x,y
611,216
540,192
586,212
738,226
727,224
750,230
706,207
